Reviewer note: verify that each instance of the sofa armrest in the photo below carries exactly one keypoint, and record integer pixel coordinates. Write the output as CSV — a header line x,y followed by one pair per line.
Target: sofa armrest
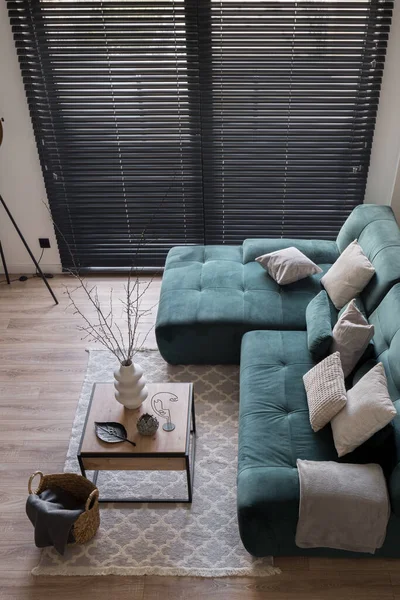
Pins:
x,y
394,490
268,498
361,217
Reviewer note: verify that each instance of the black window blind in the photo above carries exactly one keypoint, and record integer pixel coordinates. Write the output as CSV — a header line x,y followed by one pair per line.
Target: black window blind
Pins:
x,y
108,84
290,100
180,121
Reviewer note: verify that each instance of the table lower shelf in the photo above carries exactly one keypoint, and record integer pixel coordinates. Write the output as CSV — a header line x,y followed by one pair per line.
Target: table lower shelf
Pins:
x,y
189,461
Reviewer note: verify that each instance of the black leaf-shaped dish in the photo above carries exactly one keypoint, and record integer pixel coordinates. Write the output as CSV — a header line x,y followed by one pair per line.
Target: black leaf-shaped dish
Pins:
x,y
112,432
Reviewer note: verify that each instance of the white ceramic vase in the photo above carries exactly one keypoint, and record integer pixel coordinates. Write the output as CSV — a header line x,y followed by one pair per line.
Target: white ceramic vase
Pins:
x,y
130,385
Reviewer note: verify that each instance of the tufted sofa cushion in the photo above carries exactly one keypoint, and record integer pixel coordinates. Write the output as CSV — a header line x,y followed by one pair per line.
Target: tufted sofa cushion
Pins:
x,y
210,297
273,399
274,430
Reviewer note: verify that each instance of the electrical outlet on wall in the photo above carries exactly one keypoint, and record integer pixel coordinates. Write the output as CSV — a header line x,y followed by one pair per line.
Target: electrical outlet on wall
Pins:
x,y
44,242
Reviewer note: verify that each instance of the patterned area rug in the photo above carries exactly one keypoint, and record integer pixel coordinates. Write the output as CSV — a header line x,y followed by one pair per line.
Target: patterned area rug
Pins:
x,y
201,539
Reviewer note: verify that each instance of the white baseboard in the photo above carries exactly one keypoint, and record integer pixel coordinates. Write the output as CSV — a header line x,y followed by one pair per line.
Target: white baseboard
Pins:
x,y
29,268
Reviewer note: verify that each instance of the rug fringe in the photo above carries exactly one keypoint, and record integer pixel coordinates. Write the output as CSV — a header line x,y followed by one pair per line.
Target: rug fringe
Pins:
x,y
265,571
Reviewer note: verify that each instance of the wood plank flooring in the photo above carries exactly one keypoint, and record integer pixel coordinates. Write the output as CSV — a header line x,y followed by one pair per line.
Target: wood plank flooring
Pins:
x,y
42,364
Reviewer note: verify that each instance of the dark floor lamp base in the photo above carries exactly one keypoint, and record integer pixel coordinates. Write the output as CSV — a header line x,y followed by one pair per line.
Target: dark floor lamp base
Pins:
x,y
35,262
3,260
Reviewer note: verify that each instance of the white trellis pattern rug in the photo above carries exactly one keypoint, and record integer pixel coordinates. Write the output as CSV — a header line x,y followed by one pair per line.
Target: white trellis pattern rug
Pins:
x,y
201,539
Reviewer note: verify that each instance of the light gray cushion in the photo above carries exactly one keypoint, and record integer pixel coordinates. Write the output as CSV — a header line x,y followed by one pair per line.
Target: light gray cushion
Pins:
x,y
351,336
348,276
326,392
368,409
288,265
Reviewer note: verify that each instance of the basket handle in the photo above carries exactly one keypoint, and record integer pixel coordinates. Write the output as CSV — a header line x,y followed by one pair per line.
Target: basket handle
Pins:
x,y
93,497
31,478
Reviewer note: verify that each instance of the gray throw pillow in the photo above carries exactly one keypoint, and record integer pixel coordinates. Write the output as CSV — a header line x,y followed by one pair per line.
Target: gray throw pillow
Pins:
x,y
359,304
348,276
370,350
351,336
369,408
288,265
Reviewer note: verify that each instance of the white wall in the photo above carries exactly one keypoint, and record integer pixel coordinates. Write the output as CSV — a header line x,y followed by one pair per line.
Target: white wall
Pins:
x,y
395,203
385,156
21,181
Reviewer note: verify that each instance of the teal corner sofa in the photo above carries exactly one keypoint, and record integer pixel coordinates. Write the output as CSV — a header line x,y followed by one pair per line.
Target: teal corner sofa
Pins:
x,y
218,305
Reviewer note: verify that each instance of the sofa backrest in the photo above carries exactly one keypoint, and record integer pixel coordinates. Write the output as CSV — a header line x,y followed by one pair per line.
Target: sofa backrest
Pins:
x,y
378,234
386,321
319,251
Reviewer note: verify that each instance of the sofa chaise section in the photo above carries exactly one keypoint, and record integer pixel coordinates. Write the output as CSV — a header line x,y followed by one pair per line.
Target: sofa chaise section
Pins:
x,y
212,295
274,431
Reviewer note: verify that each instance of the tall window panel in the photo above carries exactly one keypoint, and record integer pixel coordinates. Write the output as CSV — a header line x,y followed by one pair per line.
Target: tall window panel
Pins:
x,y
113,94
290,92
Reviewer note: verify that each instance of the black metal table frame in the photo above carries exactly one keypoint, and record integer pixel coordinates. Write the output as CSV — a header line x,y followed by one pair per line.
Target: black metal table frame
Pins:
x,y
188,455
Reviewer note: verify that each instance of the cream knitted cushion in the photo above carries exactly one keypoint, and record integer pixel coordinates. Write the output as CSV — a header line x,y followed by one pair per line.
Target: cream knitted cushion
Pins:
x,y
326,392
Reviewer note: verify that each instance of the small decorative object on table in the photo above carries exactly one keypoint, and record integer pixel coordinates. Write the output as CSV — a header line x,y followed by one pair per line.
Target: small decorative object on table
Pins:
x,y
163,411
111,432
147,424
130,385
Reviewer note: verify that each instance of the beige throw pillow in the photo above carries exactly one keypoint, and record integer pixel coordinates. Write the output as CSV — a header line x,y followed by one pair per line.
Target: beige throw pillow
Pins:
x,y
348,276
368,409
288,265
351,336
326,392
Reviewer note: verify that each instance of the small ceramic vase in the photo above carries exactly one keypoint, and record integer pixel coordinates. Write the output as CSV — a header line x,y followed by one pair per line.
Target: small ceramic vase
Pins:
x,y
130,385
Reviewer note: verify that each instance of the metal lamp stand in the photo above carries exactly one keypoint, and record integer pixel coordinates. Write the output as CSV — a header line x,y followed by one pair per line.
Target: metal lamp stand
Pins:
x,y
35,262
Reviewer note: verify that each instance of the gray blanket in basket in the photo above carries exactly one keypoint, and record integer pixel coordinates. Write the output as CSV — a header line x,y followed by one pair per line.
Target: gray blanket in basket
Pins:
x,y
53,514
343,506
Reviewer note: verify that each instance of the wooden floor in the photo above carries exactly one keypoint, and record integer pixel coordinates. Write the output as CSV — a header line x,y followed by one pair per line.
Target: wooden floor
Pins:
x,y
42,364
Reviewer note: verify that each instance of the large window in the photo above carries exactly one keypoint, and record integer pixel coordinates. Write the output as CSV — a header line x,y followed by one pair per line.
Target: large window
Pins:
x,y
193,122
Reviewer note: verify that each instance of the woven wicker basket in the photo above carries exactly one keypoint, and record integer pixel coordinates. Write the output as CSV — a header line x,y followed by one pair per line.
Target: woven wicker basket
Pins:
x,y
88,522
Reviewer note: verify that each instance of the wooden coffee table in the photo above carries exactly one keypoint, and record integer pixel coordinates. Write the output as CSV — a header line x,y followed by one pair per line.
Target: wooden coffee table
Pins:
x,y
164,451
